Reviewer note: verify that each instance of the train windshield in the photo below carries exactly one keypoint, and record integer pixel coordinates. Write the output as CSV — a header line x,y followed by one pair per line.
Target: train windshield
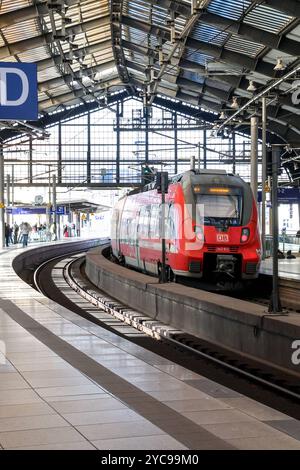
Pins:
x,y
219,209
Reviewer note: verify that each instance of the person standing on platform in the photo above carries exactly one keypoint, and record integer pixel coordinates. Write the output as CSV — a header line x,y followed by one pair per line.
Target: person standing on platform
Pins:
x,y
25,230
11,235
7,234
16,233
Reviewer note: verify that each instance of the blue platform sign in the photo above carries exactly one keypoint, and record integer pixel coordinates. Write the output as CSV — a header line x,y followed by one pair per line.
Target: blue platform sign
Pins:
x,y
25,210
286,196
18,91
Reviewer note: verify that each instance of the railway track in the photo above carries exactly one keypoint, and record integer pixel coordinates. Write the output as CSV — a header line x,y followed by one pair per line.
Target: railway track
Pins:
x,y
157,330
257,291
282,392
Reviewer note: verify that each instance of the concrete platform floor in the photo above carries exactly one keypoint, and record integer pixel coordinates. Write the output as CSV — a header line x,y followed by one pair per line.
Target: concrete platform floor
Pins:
x,y
288,268
68,384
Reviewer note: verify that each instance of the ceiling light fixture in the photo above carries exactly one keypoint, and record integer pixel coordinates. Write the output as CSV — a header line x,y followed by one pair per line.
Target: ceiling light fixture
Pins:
x,y
234,104
251,86
279,65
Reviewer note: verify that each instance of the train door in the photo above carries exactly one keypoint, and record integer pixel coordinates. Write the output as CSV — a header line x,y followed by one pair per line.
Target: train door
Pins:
x,y
171,229
139,231
118,222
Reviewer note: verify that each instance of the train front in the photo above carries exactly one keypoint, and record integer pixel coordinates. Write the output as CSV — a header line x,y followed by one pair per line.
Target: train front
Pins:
x,y
227,246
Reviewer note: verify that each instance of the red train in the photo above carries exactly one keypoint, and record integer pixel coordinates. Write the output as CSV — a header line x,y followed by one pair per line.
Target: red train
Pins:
x,y
211,228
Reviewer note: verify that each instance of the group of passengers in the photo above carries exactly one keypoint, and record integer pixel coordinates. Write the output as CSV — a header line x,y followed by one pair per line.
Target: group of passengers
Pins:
x,y
71,230
17,234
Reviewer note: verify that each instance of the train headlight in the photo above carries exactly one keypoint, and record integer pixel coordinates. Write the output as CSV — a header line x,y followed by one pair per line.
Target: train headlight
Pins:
x,y
199,233
245,235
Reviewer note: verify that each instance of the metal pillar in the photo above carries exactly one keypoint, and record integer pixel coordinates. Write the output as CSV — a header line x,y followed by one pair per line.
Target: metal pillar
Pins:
x,y
233,153
48,208
2,205
175,145
254,152
199,155
30,160
264,176
146,135
275,306
78,226
118,148
12,191
164,188
88,159
204,148
192,162
54,205
270,185
8,195
59,156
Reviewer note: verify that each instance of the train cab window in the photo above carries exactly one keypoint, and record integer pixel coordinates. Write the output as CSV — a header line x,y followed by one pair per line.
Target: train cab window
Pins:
x,y
221,209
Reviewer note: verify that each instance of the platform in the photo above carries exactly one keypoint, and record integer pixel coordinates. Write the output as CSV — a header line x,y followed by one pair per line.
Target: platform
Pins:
x,y
68,384
287,268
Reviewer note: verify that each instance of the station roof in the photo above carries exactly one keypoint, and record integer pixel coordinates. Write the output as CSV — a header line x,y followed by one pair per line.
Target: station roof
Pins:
x,y
92,52
83,206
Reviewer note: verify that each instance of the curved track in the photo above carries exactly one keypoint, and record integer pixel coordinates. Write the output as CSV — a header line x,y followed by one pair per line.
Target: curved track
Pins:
x,y
198,356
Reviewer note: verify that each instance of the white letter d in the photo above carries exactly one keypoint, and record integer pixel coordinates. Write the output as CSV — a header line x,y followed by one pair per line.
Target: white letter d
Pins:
x,y
4,101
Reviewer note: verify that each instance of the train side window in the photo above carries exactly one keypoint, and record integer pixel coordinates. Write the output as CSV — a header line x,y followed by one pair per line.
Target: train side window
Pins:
x,y
144,222
154,222
140,222
132,229
123,225
170,226
147,222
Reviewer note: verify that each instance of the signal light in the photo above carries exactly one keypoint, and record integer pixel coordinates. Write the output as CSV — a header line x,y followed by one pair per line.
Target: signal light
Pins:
x,y
245,235
197,189
162,182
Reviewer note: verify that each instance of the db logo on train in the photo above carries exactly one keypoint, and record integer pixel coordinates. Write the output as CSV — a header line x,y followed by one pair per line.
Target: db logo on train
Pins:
x,y
222,237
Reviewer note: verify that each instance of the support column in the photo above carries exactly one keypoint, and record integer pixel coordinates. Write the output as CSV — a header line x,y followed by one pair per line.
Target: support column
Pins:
x,y
30,159
205,148
12,191
2,205
59,156
88,159
192,162
175,145
48,208
78,225
254,153
275,306
118,149
54,205
146,135
270,183
8,200
233,153
264,176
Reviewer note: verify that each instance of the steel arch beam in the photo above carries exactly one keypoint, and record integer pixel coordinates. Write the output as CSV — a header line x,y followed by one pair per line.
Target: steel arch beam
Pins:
x,y
37,41
274,41
28,13
289,7
242,60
